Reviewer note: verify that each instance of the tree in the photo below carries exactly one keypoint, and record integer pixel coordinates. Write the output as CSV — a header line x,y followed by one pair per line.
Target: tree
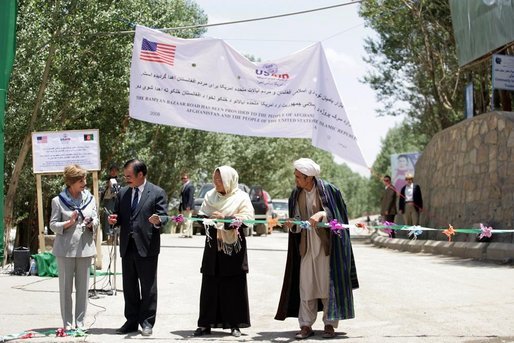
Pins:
x,y
71,71
415,62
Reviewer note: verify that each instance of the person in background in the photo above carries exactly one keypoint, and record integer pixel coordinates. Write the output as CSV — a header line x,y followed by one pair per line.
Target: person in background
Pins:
x,y
411,201
320,269
187,198
141,211
108,198
224,292
74,220
388,203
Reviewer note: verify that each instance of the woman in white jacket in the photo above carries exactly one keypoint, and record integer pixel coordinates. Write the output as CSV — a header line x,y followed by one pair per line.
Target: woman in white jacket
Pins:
x,y
74,220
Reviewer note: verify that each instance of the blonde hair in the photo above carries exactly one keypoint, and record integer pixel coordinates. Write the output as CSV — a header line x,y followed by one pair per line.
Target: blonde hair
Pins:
x,y
73,173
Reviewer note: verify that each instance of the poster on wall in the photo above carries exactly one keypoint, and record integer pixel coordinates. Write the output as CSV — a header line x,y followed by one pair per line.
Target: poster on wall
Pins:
x,y
53,150
401,165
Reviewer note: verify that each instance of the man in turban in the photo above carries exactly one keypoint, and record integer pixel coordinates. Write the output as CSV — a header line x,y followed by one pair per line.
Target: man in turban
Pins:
x,y
320,270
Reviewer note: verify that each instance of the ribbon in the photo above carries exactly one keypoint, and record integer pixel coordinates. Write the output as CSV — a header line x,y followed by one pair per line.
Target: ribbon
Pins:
x,y
486,231
415,233
449,232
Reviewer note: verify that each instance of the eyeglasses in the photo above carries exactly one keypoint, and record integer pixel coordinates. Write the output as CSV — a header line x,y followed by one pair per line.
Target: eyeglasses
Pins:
x,y
409,179
183,178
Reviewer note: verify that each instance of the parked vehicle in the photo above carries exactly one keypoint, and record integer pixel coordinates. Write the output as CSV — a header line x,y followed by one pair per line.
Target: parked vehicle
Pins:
x,y
263,208
280,209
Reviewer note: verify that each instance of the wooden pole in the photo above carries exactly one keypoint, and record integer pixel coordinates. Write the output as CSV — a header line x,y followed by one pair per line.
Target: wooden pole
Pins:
x,y
41,224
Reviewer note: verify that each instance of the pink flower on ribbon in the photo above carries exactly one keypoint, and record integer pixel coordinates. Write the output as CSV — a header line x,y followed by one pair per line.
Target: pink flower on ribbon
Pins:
x,y
334,225
236,223
60,332
178,219
386,223
486,231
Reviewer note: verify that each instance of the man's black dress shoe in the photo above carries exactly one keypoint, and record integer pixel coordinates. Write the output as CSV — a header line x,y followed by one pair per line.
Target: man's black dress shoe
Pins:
x,y
147,330
127,328
202,331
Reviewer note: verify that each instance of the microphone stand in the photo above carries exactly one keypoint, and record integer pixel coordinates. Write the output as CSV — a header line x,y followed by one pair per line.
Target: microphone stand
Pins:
x,y
115,230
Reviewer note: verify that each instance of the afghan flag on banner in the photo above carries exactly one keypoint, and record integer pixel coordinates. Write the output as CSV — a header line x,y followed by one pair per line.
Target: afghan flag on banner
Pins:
x,y
89,137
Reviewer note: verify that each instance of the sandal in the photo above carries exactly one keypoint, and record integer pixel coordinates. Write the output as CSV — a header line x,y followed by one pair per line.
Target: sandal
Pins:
x,y
304,333
329,332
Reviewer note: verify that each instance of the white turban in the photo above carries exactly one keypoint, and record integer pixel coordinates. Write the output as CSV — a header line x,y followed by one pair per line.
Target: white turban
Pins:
x,y
307,167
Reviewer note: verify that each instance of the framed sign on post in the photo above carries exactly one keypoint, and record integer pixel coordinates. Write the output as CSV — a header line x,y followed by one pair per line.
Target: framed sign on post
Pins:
x,y
52,151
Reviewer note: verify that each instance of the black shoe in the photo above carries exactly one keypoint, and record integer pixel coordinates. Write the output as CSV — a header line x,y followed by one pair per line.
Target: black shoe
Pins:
x,y
127,328
235,332
202,331
147,330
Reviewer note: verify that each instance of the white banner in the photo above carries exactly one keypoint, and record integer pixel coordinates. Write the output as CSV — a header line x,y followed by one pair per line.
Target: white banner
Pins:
x,y
205,84
54,150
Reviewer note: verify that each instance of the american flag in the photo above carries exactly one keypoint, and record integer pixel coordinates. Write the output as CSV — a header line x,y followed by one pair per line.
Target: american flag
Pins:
x,y
157,52
42,139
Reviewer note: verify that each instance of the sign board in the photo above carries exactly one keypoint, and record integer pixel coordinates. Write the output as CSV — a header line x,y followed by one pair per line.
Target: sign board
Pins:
x,y
503,72
53,150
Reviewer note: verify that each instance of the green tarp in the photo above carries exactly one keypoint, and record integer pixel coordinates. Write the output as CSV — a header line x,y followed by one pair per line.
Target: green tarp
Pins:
x,y
46,264
481,26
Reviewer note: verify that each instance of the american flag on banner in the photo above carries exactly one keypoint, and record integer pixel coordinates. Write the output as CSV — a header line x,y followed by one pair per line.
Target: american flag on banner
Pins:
x,y
42,139
157,52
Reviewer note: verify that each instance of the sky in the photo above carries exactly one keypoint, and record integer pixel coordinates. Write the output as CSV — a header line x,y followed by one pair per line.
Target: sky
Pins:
x,y
342,33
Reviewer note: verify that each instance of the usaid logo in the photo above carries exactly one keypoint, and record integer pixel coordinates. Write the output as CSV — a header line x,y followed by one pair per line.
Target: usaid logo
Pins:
x,y
65,138
270,70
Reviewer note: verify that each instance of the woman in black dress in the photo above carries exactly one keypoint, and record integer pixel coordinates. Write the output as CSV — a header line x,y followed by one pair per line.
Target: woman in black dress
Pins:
x,y
224,294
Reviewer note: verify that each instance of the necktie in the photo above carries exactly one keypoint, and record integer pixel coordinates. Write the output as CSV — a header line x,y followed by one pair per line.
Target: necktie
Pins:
x,y
134,200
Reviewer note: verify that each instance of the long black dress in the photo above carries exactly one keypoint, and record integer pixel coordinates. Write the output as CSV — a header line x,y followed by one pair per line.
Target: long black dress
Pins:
x,y
224,294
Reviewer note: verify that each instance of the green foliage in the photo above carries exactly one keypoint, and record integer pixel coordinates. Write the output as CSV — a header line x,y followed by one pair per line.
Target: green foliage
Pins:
x,y
415,62
88,79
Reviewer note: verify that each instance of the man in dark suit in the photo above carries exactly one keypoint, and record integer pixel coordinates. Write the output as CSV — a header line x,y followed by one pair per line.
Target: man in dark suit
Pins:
x,y
187,199
411,201
388,202
141,211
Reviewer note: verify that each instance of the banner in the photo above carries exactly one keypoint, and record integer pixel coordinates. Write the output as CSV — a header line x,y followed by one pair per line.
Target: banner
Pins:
x,y
205,84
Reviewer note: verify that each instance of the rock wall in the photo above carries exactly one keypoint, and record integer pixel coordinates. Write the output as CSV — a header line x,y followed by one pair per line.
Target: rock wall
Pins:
x,y
466,174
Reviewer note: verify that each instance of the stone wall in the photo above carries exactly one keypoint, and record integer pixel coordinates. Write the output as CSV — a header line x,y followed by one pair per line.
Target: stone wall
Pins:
x,y
466,174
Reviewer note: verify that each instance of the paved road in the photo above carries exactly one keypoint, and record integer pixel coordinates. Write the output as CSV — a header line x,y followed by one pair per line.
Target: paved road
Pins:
x,y
403,297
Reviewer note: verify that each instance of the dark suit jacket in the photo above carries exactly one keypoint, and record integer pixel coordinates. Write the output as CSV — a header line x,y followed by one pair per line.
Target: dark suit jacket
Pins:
x,y
417,197
187,197
388,203
146,235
